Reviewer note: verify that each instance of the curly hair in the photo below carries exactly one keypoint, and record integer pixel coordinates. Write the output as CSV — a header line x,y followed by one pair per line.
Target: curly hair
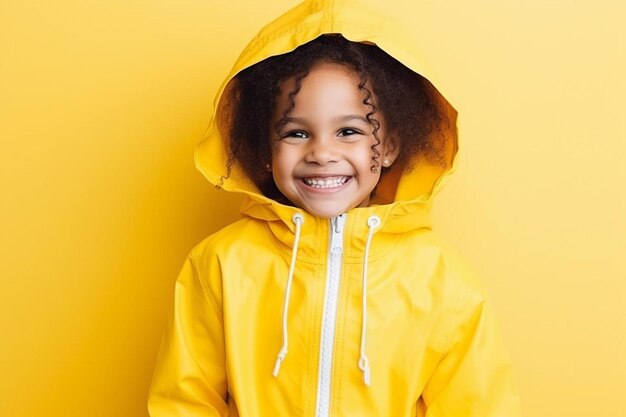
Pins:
x,y
403,97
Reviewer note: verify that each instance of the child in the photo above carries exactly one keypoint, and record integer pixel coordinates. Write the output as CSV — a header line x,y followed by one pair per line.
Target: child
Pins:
x,y
332,296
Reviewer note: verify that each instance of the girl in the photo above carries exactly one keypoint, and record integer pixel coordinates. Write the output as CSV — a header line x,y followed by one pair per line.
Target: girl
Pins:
x,y
332,296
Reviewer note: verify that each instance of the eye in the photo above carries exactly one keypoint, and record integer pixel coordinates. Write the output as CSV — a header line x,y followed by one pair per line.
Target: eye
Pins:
x,y
294,134
348,131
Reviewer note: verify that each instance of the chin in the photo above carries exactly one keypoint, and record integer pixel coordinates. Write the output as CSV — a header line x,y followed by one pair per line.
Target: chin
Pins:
x,y
325,214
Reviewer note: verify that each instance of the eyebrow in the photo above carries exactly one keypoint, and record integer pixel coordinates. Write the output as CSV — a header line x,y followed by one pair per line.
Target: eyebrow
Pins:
x,y
352,117
345,118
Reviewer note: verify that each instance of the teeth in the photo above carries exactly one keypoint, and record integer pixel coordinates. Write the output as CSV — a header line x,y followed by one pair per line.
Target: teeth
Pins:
x,y
325,182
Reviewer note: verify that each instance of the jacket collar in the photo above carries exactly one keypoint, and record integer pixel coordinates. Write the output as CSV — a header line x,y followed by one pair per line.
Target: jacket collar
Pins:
x,y
396,218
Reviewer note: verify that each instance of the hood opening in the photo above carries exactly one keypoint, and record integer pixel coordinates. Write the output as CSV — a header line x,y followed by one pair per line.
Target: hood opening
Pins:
x,y
416,178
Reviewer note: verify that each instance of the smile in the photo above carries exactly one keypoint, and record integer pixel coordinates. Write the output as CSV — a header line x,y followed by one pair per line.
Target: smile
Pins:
x,y
330,182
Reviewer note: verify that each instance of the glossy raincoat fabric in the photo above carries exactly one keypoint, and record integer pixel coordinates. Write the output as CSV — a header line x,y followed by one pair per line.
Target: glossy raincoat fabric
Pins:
x,y
431,344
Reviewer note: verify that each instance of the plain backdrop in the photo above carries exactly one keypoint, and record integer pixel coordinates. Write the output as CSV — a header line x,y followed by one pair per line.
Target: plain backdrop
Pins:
x,y
101,103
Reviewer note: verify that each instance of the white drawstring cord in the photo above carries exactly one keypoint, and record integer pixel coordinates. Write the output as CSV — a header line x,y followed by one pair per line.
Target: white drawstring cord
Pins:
x,y
372,222
297,219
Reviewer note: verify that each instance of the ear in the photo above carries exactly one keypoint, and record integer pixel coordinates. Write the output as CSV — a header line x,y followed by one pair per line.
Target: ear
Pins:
x,y
391,150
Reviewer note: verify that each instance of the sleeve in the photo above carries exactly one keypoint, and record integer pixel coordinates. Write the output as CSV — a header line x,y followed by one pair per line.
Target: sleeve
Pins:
x,y
190,378
474,377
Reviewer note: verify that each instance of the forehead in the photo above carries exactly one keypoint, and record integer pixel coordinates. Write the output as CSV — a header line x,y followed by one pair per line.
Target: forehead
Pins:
x,y
325,71
327,87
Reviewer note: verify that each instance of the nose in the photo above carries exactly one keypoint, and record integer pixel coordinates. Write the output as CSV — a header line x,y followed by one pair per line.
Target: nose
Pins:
x,y
321,151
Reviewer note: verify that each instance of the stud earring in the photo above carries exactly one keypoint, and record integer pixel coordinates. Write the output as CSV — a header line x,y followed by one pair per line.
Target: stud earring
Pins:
x,y
386,162
268,167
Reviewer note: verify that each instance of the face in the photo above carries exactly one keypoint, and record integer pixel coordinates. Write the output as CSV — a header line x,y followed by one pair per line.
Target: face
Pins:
x,y
322,155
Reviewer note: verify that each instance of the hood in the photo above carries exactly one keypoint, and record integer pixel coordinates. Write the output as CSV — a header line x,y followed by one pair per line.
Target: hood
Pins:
x,y
401,191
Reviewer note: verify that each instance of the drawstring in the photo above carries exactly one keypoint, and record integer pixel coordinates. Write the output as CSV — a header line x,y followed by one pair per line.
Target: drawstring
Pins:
x,y
372,222
297,219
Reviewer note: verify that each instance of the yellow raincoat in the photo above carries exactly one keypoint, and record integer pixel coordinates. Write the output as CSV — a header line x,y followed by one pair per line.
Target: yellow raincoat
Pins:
x,y
368,314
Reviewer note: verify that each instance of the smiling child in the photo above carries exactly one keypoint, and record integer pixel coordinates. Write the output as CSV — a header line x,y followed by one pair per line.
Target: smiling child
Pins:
x,y
332,296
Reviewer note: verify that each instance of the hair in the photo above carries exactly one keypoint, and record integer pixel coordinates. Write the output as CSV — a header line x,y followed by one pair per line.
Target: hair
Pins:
x,y
401,96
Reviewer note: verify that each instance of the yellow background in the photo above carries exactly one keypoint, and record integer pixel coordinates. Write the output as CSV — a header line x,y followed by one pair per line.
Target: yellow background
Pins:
x,y
101,103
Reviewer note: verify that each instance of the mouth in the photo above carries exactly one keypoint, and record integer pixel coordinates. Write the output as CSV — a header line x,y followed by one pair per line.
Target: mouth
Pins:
x,y
325,182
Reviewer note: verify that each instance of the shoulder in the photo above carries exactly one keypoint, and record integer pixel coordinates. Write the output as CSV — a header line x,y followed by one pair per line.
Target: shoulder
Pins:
x,y
212,257
447,264
233,235
459,288
243,239
467,300
454,267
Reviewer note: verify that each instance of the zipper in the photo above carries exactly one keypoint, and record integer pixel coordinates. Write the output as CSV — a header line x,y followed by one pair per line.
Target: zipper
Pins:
x,y
329,317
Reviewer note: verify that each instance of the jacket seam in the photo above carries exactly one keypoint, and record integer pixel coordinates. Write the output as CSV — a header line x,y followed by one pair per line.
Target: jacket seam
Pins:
x,y
208,294
314,335
453,323
340,360
297,29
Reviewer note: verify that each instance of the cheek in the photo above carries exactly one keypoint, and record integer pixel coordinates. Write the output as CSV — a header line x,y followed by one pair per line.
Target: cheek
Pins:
x,y
364,158
283,161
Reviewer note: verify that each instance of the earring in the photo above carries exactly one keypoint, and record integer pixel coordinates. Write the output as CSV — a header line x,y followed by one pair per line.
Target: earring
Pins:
x,y
386,163
268,167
